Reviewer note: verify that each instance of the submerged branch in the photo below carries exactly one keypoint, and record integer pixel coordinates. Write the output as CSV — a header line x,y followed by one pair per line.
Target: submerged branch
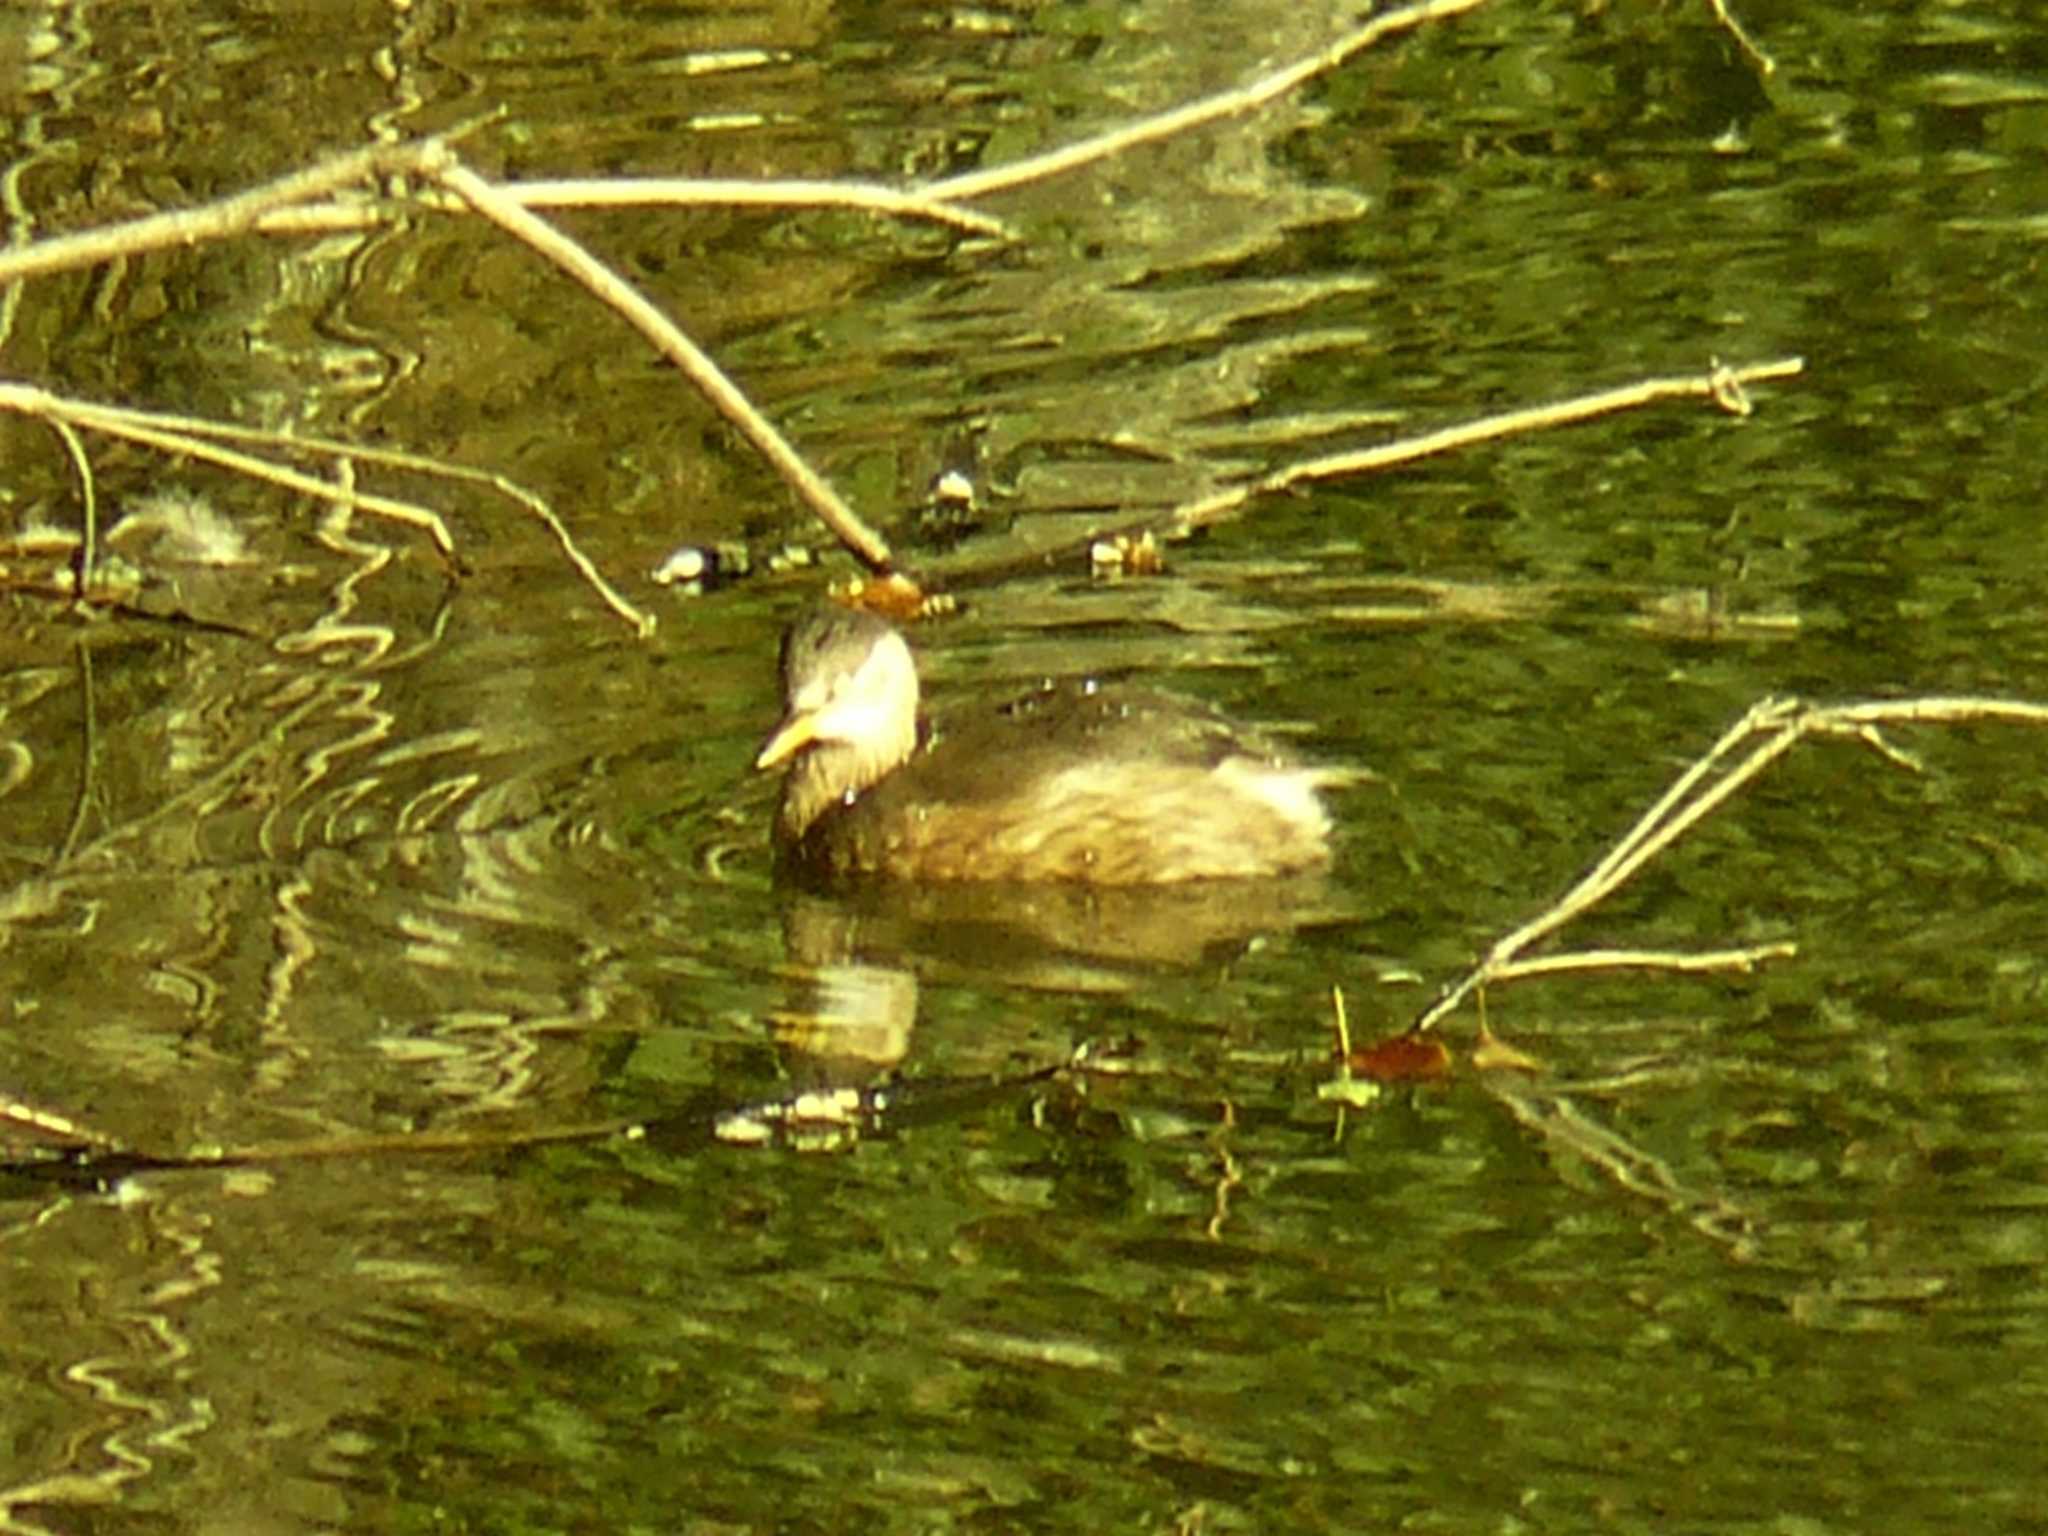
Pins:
x,y
1564,1127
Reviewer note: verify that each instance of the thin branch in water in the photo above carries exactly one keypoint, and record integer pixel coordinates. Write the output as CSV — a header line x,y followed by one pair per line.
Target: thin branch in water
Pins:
x,y
1765,733
1874,739
214,221
142,427
184,434
643,623
288,200
89,504
1930,709
1194,114
696,365
1758,716
645,192
1766,65
1720,384
689,192
1744,960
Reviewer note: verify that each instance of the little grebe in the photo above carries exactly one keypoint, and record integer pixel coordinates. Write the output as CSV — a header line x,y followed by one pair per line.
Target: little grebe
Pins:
x,y
1076,782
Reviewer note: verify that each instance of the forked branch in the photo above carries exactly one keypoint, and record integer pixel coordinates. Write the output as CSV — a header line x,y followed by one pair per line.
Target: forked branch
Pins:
x,y
1766,733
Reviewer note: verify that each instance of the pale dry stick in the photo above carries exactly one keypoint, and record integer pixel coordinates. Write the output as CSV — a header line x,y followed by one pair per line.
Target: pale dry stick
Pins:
x,y
50,1125
1767,711
695,364
114,422
1764,62
1784,722
1681,807
330,218
1194,114
1781,723
229,216
1932,709
1652,832
1720,384
644,192
235,215
388,458
643,623
1643,1073
685,192
1745,960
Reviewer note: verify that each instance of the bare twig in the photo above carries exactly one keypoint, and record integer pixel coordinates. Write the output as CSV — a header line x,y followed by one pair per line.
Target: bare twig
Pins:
x,y
1936,709
430,158
1194,114
1747,959
696,365
1769,730
1721,385
89,508
686,192
355,212
229,216
145,428
191,435
1765,64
